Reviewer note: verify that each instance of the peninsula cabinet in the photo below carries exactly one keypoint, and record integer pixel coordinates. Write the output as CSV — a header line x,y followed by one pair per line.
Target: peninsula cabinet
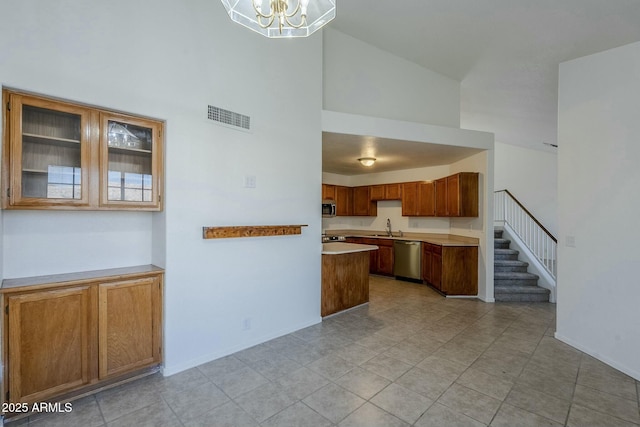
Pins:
x,y
452,270
72,333
61,155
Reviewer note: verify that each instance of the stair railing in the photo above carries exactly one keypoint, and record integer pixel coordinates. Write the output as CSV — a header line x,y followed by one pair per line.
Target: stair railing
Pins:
x,y
538,239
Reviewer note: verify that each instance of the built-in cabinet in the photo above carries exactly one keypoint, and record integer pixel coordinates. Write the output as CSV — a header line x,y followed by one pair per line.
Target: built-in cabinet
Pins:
x,y
73,332
453,196
453,270
61,155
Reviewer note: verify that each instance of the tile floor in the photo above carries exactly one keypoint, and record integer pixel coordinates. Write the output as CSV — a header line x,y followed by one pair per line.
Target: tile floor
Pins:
x,y
410,357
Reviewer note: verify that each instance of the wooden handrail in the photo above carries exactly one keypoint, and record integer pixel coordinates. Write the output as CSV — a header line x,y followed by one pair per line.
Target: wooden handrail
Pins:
x,y
551,236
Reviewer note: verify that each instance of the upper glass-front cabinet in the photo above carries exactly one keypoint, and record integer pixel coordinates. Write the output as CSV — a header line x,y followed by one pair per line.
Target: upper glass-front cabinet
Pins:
x,y
49,144
59,155
130,161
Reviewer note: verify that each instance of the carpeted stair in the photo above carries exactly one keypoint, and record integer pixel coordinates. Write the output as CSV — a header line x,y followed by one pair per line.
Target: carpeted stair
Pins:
x,y
512,281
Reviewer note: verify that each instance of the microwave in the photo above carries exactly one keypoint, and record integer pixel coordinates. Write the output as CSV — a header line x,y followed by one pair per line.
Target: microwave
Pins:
x,y
328,208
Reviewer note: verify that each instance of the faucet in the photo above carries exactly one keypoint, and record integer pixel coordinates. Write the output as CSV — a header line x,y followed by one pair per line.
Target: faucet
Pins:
x,y
389,228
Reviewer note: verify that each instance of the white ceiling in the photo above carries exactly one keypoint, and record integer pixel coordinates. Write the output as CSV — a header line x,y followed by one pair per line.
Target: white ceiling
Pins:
x,y
505,52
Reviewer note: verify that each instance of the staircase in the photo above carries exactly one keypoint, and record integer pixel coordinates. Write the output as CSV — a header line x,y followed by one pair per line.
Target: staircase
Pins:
x,y
511,281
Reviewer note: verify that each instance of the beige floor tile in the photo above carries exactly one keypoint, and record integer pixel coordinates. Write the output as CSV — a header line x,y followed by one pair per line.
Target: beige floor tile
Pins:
x,y
442,367
239,382
402,402
123,400
428,384
193,402
558,387
275,367
364,383
222,366
264,402
301,383
331,367
509,416
579,416
440,416
387,367
355,353
369,415
619,385
607,403
297,415
227,415
181,381
470,402
157,415
333,402
539,403
485,383
85,413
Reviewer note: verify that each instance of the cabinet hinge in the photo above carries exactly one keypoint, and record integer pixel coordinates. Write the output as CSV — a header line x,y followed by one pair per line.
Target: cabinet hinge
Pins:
x,y
7,397
9,192
6,309
8,106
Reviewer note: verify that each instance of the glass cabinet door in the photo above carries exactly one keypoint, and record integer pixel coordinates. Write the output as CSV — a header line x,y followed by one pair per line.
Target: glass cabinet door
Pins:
x,y
50,146
131,154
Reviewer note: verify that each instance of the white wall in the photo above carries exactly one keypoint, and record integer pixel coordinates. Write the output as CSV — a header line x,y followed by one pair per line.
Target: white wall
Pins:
x,y
362,79
598,292
532,177
169,60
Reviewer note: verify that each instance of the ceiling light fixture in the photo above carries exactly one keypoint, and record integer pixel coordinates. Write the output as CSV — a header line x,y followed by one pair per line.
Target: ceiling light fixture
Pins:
x,y
367,161
282,18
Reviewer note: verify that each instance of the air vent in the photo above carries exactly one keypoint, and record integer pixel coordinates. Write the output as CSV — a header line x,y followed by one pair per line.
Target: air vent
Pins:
x,y
229,118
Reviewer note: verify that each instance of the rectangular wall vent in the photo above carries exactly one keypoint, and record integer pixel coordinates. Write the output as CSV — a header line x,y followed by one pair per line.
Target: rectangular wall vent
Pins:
x,y
229,118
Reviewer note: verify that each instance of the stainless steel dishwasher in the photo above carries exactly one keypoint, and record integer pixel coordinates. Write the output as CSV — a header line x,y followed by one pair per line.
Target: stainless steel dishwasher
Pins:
x,y
407,256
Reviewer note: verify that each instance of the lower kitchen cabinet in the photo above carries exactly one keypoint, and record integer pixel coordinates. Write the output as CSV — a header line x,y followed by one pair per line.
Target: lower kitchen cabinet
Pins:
x,y
453,270
380,261
69,333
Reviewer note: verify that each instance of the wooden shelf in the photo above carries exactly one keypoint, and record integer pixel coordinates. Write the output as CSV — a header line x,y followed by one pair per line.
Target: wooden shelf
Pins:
x,y
50,139
128,150
250,231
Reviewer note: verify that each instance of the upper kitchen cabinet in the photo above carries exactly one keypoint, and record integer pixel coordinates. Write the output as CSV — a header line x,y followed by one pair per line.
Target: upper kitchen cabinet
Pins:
x,y
457,195
418,199
344,201
60,155
362,203
386,192
328,192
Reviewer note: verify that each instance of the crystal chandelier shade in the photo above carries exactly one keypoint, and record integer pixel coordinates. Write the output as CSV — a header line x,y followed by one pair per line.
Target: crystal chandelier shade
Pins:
x,y
281,18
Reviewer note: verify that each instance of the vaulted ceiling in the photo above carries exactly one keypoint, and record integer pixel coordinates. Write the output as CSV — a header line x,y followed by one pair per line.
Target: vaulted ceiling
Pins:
x,y
505,52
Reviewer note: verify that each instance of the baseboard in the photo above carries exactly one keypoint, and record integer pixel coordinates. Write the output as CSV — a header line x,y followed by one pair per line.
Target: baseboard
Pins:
x,y
174,369
631,372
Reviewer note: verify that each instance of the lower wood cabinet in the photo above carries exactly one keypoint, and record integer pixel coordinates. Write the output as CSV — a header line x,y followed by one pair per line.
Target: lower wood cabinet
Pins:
x,y
380,261
453,270
71,332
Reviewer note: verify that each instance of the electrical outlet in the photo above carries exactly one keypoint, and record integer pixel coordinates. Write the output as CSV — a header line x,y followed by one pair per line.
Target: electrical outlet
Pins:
x,y
246,323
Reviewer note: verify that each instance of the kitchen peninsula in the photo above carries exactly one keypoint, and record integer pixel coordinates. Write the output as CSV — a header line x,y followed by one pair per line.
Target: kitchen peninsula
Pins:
x,y
345,276
449,262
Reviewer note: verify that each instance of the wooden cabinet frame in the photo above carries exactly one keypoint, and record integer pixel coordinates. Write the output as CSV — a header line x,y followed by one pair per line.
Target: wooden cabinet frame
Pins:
x,y
98,327
93,145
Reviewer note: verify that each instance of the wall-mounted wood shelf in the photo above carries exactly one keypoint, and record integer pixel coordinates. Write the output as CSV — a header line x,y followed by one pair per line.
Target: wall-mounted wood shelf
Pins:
x,y
251,231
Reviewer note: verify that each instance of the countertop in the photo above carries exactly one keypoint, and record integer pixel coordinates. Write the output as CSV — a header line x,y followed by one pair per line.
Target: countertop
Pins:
x,y
433,238
337,248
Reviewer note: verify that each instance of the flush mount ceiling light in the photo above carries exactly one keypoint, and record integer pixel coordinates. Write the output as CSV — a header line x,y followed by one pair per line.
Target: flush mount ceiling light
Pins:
x,y
367,161
281,18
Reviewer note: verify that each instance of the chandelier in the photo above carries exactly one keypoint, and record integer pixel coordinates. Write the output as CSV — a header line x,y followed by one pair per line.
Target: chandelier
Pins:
x,y
281,18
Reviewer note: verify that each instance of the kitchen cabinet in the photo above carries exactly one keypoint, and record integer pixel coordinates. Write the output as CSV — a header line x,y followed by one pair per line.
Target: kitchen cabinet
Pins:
x,y
61,155
72,332
453,270
328,192
380,261
386,192
457,195
344,200
362,203
345,281
418,199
